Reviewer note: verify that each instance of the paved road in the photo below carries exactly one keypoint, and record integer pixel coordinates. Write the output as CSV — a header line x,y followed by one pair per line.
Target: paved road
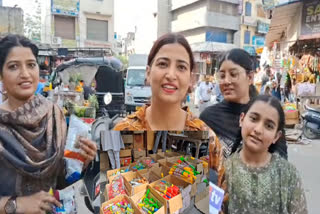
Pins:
x,y
307,160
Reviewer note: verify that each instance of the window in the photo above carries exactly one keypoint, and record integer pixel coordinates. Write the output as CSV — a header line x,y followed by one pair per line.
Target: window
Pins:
x,y
64,27
216,36
248,9
136,77
97,30
247,37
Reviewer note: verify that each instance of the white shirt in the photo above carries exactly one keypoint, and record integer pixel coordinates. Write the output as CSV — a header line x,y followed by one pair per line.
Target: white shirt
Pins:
x,y
205,91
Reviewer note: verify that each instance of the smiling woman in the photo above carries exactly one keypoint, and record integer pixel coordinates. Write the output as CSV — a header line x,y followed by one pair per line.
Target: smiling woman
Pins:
x,y
32,134
170,64
235,77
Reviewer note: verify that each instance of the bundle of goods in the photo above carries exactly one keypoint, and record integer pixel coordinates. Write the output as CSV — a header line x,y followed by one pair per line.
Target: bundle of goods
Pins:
x,y
86,110
138,166
120,171
116,187
119,207
148,161
185,170
67,198
138,181
149,204
167,190
203,161
72,154
291,113
199,161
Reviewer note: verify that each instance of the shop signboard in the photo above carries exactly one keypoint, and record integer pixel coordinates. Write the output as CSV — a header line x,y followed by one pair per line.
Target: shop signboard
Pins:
x,y
310,23
250,50
65,7
258,41
269,4
250,21
263,27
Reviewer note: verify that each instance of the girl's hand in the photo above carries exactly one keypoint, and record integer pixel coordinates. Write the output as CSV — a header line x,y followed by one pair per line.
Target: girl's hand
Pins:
x,y
89,150
38,203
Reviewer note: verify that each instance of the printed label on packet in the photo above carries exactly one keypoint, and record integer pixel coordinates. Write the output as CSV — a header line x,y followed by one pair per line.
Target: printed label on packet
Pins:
x,y
216,195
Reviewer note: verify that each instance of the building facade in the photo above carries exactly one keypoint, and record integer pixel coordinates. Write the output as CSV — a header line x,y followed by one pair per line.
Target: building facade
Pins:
x,y
210,26
78,23
254,26
11,20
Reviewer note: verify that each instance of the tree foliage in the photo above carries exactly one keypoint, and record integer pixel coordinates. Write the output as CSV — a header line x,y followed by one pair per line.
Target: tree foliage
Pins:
x,y
32,27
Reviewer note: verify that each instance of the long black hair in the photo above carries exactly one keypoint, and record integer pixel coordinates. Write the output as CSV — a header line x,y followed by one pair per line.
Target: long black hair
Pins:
x,y
240,57
272,101
11,41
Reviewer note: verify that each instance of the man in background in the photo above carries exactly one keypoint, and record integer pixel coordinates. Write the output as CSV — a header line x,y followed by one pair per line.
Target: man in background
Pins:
x,y
206,89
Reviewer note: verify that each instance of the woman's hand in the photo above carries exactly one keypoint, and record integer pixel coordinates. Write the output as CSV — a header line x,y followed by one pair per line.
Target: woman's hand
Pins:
x,y
38,203
89,150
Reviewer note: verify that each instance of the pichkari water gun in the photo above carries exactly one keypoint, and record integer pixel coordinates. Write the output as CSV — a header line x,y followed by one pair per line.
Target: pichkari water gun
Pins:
x,y
204,163
184,170
148,204
181,173
167,190
119,207
138,166
190,165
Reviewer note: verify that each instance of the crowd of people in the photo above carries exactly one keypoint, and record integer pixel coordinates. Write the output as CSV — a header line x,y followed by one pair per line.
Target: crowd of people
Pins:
x,y
248,151
278,85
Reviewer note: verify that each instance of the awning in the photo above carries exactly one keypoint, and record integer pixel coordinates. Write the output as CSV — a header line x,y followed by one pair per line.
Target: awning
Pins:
x,y
282,17
212,47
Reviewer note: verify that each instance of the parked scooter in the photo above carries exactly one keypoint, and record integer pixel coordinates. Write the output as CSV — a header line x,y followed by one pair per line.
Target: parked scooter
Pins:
x,y
311,122
91,187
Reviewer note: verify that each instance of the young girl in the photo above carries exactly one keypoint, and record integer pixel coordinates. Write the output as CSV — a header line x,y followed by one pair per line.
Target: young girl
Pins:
x,y
259,181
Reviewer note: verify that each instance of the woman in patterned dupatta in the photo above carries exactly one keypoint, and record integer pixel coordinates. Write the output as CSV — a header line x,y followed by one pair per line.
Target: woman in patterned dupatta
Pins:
x,y
32,134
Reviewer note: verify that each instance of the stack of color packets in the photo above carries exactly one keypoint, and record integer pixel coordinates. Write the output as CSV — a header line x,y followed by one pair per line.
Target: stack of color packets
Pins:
x,y
167,190
148,204
185,170
120,207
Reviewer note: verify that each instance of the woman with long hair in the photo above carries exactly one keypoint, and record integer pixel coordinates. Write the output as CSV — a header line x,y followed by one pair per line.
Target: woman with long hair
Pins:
x,y
32,134
235,77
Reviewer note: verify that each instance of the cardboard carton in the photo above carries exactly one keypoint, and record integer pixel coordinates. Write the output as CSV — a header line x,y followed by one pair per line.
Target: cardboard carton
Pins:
x,y
112,173
176,203
104,161
117,199
125,161
132,190
127,139
138,141
125,153
139,153
155,195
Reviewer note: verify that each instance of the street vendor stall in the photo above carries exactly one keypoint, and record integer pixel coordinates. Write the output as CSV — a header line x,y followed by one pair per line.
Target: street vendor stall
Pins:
x,y
164,182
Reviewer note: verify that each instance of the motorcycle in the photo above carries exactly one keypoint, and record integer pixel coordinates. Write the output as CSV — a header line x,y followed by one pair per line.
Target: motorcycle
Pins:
x,y
311,122
91,184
